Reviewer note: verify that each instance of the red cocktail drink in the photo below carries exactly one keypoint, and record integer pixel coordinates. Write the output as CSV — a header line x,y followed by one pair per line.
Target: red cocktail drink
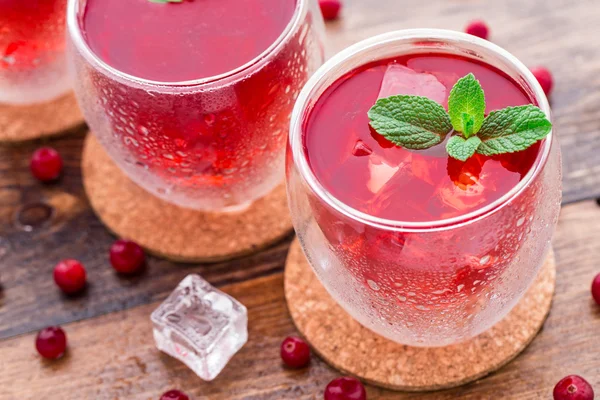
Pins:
x,y
32,50
192,99
369,173
420,247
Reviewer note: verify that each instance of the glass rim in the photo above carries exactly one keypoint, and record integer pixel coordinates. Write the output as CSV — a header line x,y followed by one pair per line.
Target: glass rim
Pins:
x,y
75,33
301,161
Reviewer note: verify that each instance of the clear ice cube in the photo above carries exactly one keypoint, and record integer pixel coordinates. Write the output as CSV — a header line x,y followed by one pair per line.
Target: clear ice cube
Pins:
x,y
200,326
399,79
380,172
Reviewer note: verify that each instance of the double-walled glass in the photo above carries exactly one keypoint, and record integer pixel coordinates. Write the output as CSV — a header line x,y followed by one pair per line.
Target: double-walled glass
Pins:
x,y
215,143
434,283
32,50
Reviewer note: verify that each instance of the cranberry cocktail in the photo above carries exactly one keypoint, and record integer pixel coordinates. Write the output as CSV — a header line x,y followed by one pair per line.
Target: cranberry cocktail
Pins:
x,y
192,99
371,174
427,168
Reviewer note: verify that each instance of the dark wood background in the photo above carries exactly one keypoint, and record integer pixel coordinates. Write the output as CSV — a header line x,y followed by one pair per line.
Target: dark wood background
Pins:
x,y
111,353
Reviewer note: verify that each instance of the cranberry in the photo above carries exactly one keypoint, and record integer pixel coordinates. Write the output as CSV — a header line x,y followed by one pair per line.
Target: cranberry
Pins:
x,y
51,342
544,77
596,289
330,9
361,149
126,256
69,275
573,387
345,388
478,28
295,352
174,395
46,164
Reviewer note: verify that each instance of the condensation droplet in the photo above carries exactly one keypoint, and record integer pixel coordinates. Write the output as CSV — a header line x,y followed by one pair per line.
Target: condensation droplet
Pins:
x,y
521,221
484,260
373,285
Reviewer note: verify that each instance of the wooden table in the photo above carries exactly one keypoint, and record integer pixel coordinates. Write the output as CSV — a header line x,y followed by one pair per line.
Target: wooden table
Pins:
x,y
111,353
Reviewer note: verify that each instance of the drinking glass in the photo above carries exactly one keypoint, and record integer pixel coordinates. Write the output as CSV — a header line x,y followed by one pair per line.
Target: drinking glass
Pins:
x,y
216,143
32,51
435,283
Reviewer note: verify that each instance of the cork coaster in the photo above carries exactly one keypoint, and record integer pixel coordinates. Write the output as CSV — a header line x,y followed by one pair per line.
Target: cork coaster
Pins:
x,y
20,123
353,349
176,233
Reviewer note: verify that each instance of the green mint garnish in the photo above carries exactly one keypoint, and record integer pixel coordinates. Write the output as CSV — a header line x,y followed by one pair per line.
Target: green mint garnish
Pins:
x,y
417,123
462,149
466,105
412,122
512,129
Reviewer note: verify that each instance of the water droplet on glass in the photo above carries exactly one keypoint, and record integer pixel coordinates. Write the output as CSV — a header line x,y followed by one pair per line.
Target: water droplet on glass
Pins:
x,y
143,130
484,260
373,285
521,221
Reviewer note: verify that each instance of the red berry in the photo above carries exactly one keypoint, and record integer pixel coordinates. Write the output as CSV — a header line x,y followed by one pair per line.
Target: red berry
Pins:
x,y
51,342
295,352
573,387
69,275
174,395
544,77
478,28
361,149
345,388
46,164
596,289
330,8
126,256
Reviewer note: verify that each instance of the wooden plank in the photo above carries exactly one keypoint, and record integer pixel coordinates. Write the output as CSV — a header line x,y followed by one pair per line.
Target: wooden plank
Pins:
x,y
29,298
555,33
113,356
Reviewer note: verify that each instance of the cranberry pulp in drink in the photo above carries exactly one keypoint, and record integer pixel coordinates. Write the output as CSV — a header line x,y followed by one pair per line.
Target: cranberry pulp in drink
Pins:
x,y
367,172
183,41
204,121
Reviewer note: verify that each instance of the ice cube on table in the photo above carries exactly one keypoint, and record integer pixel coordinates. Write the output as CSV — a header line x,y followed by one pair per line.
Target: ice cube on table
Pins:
x,y
399,79
200,326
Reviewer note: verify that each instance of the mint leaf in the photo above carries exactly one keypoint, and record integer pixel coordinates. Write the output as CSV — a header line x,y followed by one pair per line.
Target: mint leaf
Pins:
x,y
468,123
413,122
512,129
467,97
462,149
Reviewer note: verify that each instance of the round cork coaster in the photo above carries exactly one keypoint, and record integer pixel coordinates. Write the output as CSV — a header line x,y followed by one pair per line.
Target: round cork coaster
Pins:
x,y
354,349
176,233
20,123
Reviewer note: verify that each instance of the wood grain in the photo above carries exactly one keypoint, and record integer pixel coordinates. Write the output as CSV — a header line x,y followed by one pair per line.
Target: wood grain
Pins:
x,y
29,299
113,356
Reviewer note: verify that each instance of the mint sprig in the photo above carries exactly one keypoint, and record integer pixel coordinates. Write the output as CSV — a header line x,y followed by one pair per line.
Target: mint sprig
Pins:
x,y
417,123
398,118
